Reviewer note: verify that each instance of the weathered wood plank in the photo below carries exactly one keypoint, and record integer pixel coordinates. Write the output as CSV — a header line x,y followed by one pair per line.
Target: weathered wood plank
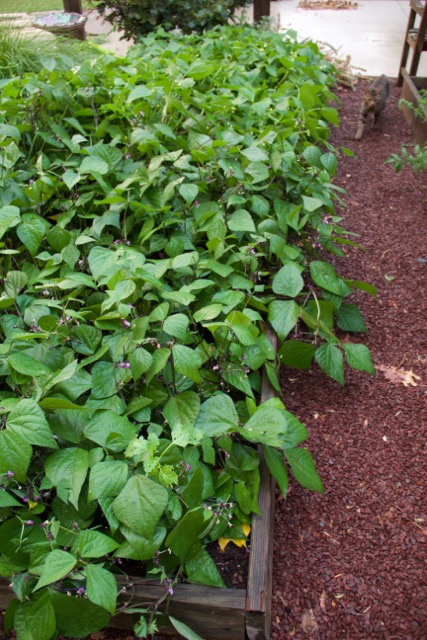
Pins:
x,y
259,589
215,614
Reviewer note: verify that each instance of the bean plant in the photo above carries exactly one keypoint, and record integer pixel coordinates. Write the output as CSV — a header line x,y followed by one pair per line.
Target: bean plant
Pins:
x,y
156,214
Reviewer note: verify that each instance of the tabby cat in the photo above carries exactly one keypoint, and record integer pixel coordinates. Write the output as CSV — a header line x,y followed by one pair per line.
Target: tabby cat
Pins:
x,y
373,102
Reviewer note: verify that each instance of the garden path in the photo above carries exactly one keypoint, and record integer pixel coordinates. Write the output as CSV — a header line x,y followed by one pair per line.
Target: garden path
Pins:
x,y
352,565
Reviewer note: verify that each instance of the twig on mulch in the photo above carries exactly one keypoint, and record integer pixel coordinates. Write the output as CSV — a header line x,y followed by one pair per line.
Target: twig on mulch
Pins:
x,y
346,72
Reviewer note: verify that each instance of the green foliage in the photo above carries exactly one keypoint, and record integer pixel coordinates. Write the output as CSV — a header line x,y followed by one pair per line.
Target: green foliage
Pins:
x,y
155,213
417,160
137,18
21,54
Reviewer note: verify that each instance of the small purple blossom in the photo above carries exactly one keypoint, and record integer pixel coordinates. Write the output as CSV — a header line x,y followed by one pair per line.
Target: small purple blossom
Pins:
x,y
30,181
188,467
25,499
29,523
10,474
49,535
81,591
126,323
123,365
216,367
75,525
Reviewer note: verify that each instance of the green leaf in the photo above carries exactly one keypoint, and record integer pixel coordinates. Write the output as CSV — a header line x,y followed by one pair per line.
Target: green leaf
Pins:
x,y
349,318
176,325
303,468
241,220
283,315
189,192
277,467
140,505
67,469
85,339
181,412
31,232
183,630
35,620
217,416
70,178
6,500
255,154
15,455
101,587
104,382
187,362
324,275
9,217
299,355
359,357
141,91
77,617
311,204
110,430
107,478
202,570
93,544
313,154
23,363
209,312
57,565
330,162
93,165
28,420
192,495
160,358
288,281
140,361
184,540
258,171
266,426
330,360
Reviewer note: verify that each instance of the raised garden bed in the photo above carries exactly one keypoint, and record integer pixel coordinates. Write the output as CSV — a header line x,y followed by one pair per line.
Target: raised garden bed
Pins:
x,y
216,614
410,92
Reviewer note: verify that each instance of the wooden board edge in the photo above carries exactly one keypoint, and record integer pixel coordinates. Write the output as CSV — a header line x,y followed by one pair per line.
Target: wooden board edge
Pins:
x,y
220,612
260,575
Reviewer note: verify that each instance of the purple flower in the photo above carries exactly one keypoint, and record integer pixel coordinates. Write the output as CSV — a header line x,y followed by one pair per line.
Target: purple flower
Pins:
x,y
124,365
29,523
10,474
188,467
126,323
81,591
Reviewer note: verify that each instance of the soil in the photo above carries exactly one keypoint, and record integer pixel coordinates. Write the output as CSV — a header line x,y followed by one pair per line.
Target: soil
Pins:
x,y
352,564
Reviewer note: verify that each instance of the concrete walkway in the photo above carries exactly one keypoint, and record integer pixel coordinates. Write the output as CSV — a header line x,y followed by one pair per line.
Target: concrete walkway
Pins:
x,y
372,33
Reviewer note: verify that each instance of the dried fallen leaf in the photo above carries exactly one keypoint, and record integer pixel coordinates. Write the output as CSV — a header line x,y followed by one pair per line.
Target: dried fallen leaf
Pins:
x,y
399,376
322,601
239,542
308,622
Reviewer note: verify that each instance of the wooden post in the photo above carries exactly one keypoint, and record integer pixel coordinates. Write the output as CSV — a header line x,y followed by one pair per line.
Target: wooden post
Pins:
x,y
75,6
261,9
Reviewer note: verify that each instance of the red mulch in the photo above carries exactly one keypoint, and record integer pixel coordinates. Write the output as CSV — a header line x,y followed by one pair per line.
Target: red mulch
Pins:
x,y
352,565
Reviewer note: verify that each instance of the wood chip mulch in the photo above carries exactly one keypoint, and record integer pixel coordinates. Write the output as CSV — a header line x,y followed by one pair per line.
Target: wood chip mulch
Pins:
x,y
327,4
352,564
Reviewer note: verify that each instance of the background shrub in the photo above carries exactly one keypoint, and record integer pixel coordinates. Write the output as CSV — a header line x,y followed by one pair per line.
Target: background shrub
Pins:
x,y
139,17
